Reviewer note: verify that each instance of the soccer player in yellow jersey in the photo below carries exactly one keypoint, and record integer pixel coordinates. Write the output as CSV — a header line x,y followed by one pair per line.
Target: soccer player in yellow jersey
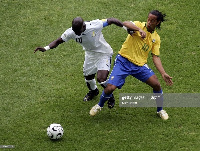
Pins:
x,y
132,60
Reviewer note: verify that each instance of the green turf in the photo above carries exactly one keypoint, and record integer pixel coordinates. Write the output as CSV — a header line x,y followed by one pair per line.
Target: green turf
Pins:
x,y
43,88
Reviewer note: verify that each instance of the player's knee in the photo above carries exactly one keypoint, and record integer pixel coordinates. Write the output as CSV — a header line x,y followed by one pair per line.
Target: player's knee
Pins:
x,y
90,77
109,89
101,79
102,75
156,86
154,83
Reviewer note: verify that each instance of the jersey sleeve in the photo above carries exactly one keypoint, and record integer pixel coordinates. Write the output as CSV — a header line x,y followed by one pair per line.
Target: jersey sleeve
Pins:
x,y
105,22
67,35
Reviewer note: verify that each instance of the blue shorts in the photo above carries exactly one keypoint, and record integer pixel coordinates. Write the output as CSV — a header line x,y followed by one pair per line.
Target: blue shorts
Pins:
x,y
123,68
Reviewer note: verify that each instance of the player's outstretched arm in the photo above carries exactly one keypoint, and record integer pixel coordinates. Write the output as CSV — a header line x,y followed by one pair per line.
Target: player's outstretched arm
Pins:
x,y
132,27
52,45
114,21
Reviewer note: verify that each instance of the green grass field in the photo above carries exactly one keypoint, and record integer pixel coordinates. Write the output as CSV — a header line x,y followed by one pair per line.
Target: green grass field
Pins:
x,y
43,88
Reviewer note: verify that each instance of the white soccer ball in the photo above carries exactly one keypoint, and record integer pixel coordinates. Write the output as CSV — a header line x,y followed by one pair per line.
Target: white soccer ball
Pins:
x,y
55,131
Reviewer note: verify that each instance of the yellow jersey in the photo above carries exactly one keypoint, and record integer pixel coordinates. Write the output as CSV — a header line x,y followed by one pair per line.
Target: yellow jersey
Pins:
x,y
136,49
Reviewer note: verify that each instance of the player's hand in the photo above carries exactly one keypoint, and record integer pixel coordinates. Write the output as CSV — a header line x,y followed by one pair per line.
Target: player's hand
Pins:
x,y
167,79
142,33
39,49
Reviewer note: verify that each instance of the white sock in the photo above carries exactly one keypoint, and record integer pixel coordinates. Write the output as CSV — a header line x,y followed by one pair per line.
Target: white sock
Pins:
x,y
91,84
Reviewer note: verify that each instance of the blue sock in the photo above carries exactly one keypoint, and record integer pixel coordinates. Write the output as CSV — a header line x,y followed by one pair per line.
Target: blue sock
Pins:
x,y
104,97
159,100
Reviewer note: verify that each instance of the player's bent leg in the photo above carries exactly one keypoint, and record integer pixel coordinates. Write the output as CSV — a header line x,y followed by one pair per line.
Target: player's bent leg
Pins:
x,y
157,90
93,90
101,78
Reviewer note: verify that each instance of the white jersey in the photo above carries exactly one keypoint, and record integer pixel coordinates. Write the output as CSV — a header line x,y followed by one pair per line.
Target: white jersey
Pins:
x,y
91,39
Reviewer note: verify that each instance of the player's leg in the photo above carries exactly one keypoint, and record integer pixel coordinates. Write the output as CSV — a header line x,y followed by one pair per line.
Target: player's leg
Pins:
x,y
89,71
157,90
155,84
107,95
91,84
148,76
102,77
102,80
103,67
116,80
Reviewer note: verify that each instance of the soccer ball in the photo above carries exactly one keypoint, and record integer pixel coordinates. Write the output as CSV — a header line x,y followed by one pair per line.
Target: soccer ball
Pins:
x,y
55,131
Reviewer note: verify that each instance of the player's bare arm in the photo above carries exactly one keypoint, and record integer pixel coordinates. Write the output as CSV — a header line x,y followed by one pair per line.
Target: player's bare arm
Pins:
x,y
114,21
131,26
159,67
52,45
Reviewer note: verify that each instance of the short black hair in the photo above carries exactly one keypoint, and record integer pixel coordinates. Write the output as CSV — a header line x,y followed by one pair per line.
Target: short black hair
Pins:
x,y
160,17
77,23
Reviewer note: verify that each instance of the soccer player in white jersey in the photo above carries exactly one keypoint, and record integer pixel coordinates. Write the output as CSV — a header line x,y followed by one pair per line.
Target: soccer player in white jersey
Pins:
x,y
98,52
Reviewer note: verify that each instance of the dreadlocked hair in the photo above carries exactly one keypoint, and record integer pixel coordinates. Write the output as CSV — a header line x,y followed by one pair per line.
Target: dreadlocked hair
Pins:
x,y
160,17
